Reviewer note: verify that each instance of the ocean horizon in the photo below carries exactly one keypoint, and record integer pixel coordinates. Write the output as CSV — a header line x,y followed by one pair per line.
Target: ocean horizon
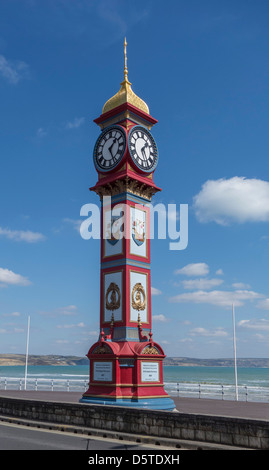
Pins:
x,y
190,381
215,375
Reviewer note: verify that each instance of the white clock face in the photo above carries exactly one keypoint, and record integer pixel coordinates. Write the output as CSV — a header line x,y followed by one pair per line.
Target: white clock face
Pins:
x,y
143,149
109,148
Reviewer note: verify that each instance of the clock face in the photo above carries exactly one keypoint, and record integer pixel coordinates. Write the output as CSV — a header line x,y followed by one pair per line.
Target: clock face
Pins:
x,y
143,149
109,148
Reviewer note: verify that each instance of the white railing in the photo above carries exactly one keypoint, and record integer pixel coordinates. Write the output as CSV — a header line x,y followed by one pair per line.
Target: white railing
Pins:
x,y
218,391
68,385
180,389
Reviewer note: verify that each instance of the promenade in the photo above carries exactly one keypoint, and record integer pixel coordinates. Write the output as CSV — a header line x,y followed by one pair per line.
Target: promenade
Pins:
x,y
202,406
196,422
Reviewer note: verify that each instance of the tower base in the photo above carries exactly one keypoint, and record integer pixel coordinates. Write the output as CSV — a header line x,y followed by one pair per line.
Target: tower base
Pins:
x,y
124,373
164,404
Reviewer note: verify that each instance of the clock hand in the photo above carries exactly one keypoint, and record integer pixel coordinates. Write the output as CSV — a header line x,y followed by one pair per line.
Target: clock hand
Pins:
x,y
111,146
143,150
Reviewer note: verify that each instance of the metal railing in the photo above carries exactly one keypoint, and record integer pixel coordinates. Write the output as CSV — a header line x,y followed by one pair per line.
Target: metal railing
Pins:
x,y
68,385
218,391
179,389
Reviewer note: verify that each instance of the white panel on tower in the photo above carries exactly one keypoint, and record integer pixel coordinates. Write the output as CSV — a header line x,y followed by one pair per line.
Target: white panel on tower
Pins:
x,y
138,232
113,224
112,296
138,296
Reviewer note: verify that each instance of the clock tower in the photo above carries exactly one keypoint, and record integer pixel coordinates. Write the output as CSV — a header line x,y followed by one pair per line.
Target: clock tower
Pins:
x,y
126,364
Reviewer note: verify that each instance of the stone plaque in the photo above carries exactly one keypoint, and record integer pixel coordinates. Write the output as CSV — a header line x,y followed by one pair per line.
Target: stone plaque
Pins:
x,y
150,372
102,371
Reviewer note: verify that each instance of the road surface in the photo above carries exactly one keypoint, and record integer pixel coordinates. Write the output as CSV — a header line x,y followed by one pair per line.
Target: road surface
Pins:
x,y
17,437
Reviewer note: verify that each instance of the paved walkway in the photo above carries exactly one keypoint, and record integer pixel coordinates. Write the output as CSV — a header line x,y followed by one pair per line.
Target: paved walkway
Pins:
x,y
250,410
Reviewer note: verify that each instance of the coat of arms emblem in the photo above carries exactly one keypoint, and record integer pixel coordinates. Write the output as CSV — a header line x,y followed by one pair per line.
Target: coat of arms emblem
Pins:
x,y
113,230
138,231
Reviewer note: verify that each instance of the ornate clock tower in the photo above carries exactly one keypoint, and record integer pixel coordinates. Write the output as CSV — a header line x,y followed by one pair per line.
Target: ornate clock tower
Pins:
x,y
126,364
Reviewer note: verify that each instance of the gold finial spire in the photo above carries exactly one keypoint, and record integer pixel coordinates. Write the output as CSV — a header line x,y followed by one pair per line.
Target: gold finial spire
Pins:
x,y
125,61
125,94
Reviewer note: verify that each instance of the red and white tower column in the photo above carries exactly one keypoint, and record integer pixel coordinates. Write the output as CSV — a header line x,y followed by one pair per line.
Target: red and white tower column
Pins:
x,y
126,364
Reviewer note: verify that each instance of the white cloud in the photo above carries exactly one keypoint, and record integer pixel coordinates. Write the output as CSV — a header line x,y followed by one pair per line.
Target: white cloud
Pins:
x,y
237,199
13,314
194,269
13,71
22,235
218,332
160,318
93,333
240,285
254,324
74,222
219,272
201,284
155,291
261,338
18,330
264,304
75,124
78,325
217,297
41,132
8,277
68,310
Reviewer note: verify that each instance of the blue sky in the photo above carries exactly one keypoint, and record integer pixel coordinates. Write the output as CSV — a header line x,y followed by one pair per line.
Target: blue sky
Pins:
x,y
202,67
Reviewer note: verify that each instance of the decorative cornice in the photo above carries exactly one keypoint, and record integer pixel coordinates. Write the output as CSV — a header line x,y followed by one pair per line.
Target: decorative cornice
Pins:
x,y
123,112
125,185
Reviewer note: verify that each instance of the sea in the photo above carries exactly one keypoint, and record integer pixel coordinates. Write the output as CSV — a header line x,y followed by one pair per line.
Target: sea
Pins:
x,y
195,381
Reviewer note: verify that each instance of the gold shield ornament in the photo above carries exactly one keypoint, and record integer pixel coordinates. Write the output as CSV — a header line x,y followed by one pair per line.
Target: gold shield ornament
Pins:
x,y
113,302
138,297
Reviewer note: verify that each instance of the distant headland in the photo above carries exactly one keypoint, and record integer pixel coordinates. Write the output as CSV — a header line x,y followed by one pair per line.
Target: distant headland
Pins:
x,y
56,360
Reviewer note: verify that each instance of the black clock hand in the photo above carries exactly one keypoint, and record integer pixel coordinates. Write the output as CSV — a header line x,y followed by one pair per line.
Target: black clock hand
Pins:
x,y
143,150
111,146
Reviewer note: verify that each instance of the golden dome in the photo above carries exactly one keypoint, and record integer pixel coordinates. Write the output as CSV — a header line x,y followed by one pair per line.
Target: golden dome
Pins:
x,y
125,94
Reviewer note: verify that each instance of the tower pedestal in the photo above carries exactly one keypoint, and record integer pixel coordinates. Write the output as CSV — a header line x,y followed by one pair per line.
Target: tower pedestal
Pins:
x,y
127,374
